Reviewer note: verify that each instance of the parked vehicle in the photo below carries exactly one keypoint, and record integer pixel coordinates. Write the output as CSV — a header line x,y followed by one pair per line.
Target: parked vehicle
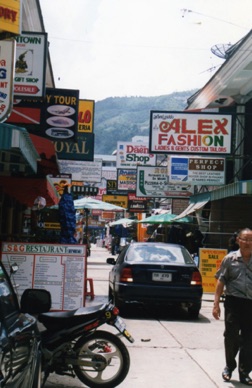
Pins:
x,y
20,354
69,343
156,273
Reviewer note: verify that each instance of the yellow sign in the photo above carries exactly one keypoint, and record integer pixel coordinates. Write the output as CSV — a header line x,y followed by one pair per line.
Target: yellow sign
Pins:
x,y
86,116
10,16
210,260
118,200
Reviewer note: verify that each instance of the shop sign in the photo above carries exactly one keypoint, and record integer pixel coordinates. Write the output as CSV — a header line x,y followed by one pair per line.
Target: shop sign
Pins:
x,y
196,170
86,116
30,65
10,16
59,269
209,262
126,179
60,116
137,204
82,149
152,181
130,155
7,55
202,133
118,200
89,172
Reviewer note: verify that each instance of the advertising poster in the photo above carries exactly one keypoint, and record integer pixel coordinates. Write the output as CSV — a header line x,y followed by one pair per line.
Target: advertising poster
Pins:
x,y
179,132
137,204
126,179
7,54
118,200
60,116
130,155
60,269
86,116
152,181
82,171
30,65
209,262
196,170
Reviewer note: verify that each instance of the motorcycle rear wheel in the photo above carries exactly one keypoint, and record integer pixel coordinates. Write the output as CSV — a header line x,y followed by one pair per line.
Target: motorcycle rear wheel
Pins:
x,y
110,356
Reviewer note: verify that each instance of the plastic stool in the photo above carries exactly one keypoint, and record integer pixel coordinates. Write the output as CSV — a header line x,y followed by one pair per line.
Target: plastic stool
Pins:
x,y
91,288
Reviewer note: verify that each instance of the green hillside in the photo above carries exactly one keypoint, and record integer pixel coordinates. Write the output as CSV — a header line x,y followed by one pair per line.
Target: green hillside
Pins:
x,y
121,118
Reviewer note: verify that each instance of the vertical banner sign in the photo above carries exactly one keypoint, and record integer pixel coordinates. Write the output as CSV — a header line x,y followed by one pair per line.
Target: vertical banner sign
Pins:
x,y
59,269
30,66
86,116
60,118
209,262
177,132
7,57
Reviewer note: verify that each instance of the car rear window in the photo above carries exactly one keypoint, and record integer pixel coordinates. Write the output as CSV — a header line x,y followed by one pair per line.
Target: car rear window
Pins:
x,y
158,254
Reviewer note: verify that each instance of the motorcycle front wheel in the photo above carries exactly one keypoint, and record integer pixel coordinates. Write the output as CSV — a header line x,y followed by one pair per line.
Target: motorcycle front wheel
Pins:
x,y
103,360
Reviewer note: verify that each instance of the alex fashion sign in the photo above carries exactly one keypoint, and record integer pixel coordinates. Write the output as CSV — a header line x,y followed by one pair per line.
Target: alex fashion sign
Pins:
x,y
177,132
196,170
129,155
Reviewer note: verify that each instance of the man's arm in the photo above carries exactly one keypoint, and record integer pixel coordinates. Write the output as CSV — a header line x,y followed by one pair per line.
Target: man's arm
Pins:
x,y
218,292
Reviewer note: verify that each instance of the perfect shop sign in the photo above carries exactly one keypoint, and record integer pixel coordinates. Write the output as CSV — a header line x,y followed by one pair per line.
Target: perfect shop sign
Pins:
x,y
177,132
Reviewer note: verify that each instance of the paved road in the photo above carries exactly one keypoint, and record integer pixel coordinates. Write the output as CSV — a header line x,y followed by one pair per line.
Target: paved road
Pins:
x,y
170,351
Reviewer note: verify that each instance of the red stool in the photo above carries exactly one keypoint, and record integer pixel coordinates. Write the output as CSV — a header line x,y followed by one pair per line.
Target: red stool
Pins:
x,y
91,288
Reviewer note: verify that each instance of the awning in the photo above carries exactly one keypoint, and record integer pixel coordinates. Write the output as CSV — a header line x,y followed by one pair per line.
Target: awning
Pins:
x,y
193,207
48,163
26,190
22,155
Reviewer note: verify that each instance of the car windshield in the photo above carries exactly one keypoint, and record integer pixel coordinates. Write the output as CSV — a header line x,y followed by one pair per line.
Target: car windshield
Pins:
x,y
146,253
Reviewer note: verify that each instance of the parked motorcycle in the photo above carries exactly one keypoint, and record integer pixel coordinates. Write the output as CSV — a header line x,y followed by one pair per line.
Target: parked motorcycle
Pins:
x,y
71,344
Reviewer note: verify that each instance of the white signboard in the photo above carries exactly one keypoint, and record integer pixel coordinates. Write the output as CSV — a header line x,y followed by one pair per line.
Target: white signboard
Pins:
x,y
30,66
59,269
177,132
196,170
82,171
130,155
153,182
7,55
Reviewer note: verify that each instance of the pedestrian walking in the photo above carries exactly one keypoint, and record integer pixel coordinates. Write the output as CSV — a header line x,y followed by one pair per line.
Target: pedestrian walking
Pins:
x,y
235,276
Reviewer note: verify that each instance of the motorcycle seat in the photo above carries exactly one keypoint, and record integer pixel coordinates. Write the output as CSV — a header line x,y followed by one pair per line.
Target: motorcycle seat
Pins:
x,y
57,320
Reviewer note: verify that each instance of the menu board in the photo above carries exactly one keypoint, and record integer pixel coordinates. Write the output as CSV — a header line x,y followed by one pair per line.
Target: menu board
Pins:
x,y
57,268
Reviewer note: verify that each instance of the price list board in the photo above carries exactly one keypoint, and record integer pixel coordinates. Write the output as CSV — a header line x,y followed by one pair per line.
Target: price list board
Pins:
x,y
58,268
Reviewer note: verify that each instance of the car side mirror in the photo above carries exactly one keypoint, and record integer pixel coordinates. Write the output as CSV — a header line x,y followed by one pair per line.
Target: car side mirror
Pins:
x,y
111,261
35,301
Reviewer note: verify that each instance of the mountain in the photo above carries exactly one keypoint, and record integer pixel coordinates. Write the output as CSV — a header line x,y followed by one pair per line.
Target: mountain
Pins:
x,y
121,118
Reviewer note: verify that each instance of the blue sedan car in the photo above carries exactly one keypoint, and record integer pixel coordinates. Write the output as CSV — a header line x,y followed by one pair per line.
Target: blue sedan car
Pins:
x,y
156,273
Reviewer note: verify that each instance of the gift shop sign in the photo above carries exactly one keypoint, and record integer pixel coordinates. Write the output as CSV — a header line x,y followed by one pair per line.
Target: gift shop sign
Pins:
x,y
130,155
152,181
196,170
7,55
30,66
176,132
59,269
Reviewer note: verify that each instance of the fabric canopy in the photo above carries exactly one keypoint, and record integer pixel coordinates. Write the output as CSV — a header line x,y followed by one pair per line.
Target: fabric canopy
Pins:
x,y
95,204
122,221
191,209
165,218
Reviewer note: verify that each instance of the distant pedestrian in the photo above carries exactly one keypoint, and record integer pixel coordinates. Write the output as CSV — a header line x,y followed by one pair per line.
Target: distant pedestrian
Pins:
x,y
235,274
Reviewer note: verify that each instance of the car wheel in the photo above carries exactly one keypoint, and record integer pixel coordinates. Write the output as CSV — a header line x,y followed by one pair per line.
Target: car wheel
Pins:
x,y
193,311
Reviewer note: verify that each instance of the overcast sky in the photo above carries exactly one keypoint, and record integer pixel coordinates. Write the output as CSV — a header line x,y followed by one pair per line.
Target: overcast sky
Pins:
x,y
117,48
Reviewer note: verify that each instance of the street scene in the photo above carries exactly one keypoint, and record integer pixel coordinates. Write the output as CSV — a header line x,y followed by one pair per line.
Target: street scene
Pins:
x,y
125,194
170,350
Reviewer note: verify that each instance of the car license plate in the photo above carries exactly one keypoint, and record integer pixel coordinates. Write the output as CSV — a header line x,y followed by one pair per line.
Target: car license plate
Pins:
x,y
161,277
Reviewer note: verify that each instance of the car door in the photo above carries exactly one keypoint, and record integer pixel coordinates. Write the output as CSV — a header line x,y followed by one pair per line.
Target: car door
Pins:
x,y
19,339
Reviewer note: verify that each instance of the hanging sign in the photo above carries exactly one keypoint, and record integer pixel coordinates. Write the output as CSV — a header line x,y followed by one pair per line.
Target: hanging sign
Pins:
x,y
7,55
